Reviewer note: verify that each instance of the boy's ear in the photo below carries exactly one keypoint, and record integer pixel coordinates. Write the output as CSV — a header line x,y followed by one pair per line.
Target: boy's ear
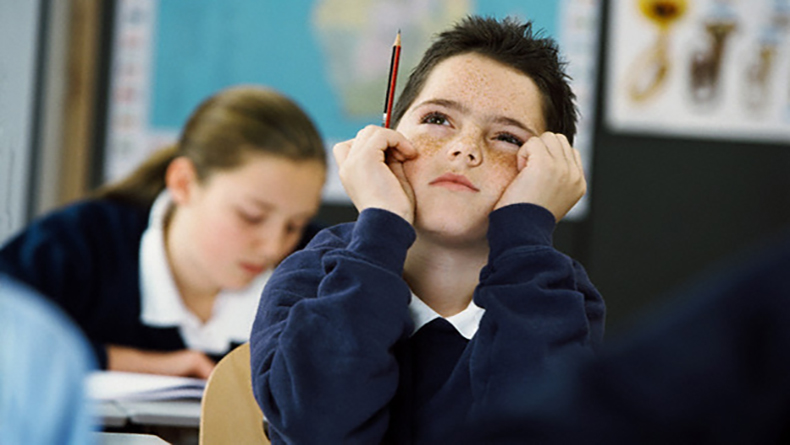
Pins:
x,y
180,179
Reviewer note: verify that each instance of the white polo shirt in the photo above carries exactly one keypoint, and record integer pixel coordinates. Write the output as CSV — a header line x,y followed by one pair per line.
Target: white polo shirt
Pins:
x,y
465,322
162,306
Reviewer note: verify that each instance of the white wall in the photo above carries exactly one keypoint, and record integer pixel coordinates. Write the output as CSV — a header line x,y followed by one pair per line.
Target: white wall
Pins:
x,y
18,45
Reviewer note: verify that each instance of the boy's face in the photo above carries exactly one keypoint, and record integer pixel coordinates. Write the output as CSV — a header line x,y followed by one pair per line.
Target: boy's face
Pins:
x,y
467,125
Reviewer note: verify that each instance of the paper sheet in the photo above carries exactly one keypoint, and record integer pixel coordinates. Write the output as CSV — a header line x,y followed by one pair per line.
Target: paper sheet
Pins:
x,y
115,385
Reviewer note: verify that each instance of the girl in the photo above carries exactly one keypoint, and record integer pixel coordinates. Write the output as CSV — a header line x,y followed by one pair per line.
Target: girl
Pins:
x,y
163,270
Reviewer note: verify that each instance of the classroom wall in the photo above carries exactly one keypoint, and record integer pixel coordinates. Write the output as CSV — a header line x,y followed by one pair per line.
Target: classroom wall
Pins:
x,y
19,37
52,73
666,209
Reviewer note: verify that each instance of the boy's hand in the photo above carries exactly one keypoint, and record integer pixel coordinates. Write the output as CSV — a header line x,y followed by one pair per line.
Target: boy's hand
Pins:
x,y
550,174
371,170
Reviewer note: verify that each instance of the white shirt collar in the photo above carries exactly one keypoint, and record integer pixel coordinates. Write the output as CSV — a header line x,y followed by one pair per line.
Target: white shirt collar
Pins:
x,y
161,305
465,322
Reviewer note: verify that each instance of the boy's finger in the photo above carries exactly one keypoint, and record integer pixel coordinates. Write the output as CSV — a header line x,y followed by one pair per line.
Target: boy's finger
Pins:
x,y
340,151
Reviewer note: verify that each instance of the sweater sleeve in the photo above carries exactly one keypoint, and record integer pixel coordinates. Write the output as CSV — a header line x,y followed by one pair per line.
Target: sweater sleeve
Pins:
x,y
50,255
67,255
321,345
540,305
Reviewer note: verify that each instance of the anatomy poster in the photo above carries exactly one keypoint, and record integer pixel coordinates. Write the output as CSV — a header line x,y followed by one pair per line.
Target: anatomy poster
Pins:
x,y
700,68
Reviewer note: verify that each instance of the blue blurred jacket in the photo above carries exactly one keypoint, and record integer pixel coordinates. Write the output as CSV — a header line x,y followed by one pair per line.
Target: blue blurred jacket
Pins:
x,y
43,362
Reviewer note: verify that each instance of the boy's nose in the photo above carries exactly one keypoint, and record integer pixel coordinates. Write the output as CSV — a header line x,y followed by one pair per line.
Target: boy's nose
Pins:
x,y
466,149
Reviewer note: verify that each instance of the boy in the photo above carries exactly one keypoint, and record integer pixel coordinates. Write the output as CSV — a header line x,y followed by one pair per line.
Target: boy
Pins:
x,y
404,325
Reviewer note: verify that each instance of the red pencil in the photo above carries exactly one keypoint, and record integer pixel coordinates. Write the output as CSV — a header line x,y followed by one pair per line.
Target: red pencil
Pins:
x,y
393,77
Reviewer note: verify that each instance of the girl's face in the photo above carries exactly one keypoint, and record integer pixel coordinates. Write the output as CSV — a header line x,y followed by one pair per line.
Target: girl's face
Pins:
x,y
467,125
244,221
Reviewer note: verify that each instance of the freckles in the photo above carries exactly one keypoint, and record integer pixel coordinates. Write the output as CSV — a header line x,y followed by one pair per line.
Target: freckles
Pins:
x,y
478,86
427,145
506,161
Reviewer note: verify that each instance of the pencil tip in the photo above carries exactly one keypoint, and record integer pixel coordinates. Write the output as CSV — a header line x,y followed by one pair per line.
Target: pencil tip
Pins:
x,y
397,38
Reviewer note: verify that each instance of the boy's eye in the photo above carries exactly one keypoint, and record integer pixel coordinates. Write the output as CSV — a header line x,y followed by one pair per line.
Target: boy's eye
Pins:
x,y
434,118
509,138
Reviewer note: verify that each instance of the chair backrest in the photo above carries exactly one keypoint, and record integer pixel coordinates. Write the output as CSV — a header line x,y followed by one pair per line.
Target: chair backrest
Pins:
x,y
229,413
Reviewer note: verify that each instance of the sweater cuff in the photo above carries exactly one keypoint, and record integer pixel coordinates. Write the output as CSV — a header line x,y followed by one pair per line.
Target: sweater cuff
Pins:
x,y
383,237
519,225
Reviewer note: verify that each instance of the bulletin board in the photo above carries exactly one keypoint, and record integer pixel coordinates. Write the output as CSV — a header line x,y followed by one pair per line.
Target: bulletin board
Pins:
x,y
330,56
717,69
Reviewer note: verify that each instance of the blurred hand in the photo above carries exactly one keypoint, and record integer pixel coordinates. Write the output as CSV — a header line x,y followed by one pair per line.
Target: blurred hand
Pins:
x,y
184,363
550,174
371,170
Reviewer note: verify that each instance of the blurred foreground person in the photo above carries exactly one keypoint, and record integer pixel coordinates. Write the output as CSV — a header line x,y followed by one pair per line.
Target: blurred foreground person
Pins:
x,y
43,363
713,367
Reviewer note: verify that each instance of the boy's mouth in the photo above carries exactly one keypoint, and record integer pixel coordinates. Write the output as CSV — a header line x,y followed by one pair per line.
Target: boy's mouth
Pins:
x,y
454,182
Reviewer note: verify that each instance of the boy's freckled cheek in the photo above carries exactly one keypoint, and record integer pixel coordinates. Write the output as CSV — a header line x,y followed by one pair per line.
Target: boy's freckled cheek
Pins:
x,y
504,161
427,145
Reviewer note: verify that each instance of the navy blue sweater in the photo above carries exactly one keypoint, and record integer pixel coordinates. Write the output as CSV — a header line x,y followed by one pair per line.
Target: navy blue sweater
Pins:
x,y
86,258
333,360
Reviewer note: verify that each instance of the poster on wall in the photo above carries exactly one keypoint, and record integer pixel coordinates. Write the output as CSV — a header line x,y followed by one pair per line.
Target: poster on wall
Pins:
x,y
330,56
700,68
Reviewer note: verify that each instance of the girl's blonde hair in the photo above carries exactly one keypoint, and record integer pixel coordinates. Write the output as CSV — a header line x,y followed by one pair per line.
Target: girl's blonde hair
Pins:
x,y
220,134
